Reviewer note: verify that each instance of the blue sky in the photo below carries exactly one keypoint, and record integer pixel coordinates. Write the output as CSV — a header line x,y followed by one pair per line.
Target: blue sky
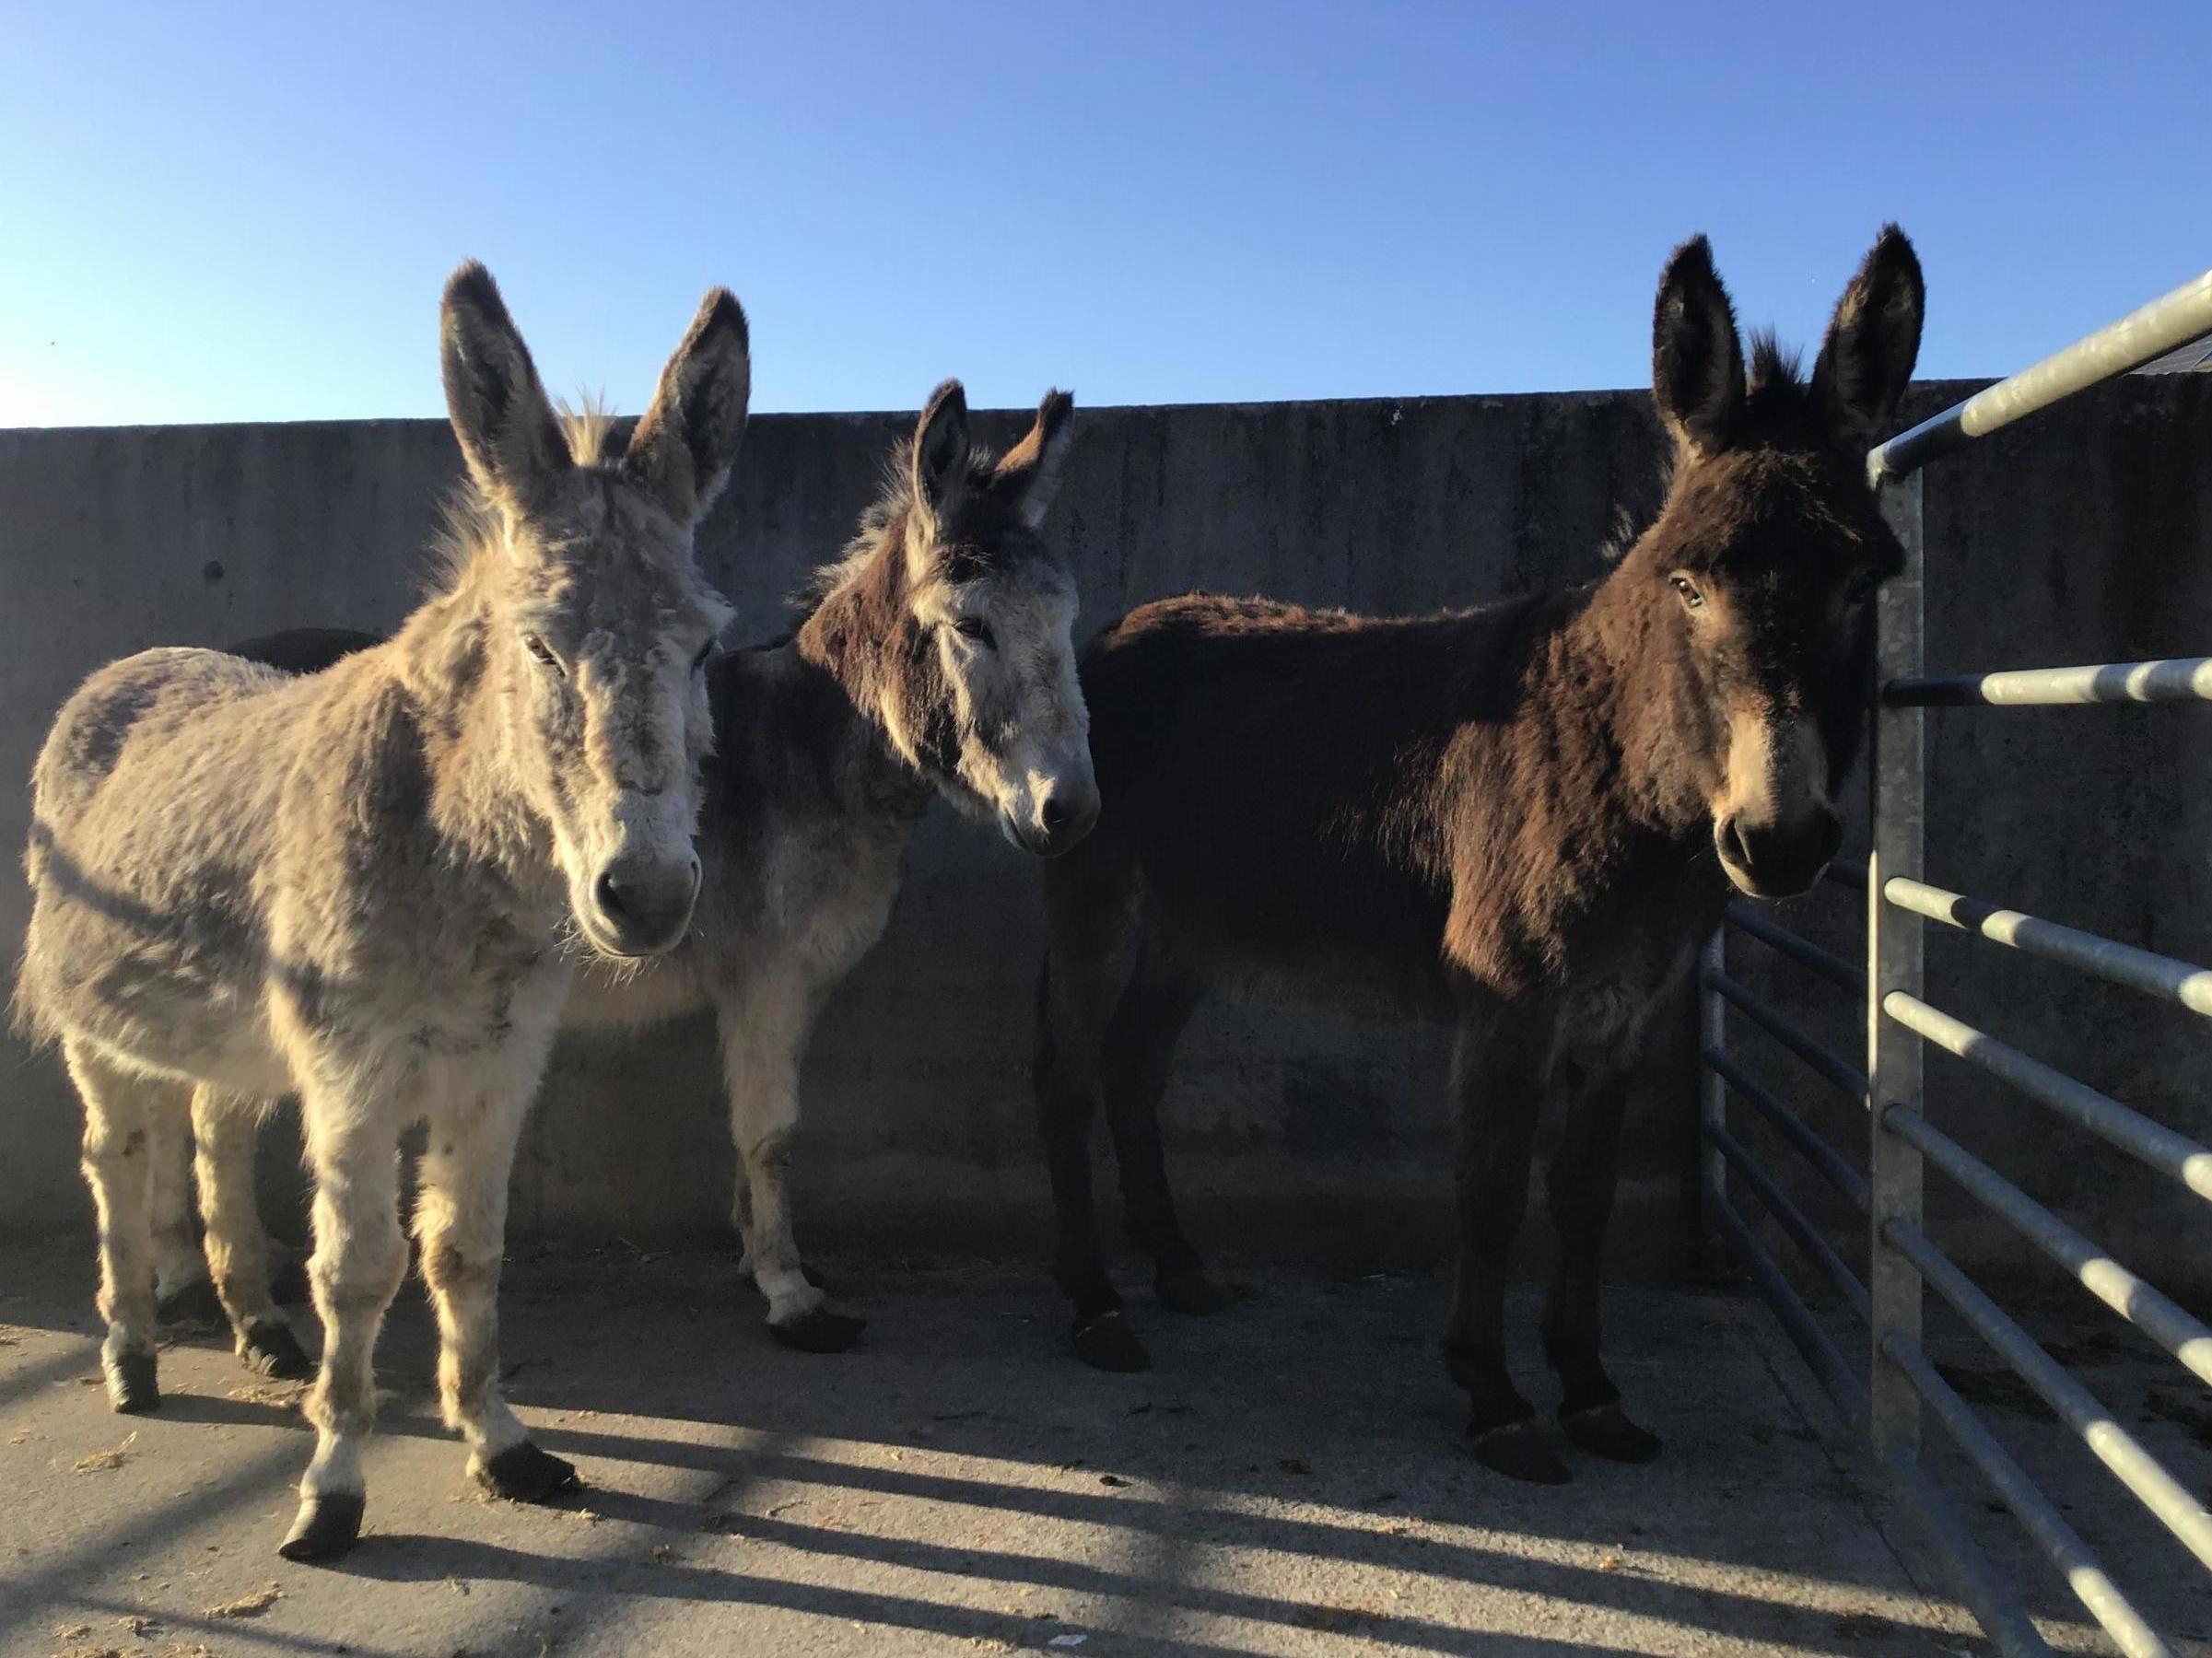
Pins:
x,y
245,213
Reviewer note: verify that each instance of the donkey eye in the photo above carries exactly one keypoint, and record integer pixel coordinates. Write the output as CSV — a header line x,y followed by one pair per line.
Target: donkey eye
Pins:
x,y
544,652
1688,588
976,629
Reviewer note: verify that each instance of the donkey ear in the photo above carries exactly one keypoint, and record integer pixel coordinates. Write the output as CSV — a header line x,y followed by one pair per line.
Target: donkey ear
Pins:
x,y
940,457
509,436
1696,358
1030,472
686,440
1873,342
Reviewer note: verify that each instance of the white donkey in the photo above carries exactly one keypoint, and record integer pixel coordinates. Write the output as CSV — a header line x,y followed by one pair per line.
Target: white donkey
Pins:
x,y
938,660
368,888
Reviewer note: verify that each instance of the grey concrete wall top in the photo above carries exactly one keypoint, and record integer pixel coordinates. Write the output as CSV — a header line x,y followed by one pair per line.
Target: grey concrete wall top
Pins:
x,y
2082,535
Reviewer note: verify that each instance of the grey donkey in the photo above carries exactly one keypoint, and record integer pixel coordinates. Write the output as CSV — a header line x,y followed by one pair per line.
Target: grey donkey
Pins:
x,y
371,888
937,658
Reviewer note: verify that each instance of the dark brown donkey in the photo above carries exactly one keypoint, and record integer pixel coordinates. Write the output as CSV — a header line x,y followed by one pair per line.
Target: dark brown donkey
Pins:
x,y
1521,819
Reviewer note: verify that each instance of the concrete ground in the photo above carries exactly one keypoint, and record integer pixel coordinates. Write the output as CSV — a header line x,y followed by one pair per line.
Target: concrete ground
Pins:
x,y
1288,1479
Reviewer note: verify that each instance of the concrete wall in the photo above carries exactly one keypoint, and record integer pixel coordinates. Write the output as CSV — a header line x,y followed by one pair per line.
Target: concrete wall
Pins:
x,y
2083,537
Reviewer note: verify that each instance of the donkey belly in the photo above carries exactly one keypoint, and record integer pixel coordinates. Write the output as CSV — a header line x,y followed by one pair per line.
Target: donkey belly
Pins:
x,y
1365,943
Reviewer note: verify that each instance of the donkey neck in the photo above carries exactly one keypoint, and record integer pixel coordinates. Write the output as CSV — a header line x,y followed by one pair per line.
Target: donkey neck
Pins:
x,y
863,640
1619,672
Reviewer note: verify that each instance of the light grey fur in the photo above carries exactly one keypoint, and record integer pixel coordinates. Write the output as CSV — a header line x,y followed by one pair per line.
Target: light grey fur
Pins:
x,y
363,887
828,748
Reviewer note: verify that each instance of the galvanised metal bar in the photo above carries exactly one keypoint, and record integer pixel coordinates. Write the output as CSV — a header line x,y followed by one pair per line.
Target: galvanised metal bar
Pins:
x,y
1830,1067
1713,1095
1994,1606
1792,1219
1803,951
1792,1128
2186,1337
1894,963
2081,1410
2154,974
2172,320
2182,679
2084,1572
1837,1378
1847,871
2154,1143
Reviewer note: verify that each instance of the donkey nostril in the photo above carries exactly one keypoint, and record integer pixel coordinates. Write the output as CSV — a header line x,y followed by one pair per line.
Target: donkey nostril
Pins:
x,y
1738,843
606,891
1055,816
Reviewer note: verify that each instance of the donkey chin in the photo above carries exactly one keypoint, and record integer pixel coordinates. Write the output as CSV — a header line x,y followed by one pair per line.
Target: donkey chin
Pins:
x,y
1778,859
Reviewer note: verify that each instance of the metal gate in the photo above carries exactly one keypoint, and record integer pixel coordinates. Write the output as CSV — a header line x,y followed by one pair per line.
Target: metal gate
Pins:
x,y
1884,1391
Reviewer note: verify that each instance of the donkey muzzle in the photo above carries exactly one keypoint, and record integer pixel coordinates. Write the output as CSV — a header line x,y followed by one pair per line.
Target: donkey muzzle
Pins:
x,y
1778,859
642,906
1063,817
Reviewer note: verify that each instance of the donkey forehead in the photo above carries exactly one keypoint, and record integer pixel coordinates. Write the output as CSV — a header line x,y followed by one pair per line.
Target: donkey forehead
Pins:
x,y
608,562
1775,517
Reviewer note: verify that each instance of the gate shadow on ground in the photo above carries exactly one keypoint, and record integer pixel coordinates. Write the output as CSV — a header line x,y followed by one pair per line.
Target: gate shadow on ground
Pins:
x,y
1311,1423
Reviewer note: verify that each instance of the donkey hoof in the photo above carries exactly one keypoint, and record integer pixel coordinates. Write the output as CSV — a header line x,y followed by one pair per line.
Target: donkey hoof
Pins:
x,y
133,1388
1604,1431
1518,1451
1107,1343
1190,1290
819,1331
290,1287
196,1303
324,1528
269,1346
523,1473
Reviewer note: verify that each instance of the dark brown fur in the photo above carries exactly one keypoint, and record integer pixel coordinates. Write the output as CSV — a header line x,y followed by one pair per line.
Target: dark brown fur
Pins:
x,y
1521,819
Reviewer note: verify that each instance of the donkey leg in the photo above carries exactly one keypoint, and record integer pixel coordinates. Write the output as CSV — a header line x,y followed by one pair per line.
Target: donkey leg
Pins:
x,y
1139,1050
1579,1186
1086,969
182,1293
1498,1099
360,1256
764,1036
461,1227
225,1128
119,1110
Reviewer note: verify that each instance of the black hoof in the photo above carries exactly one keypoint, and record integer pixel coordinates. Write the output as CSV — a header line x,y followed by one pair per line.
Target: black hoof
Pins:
x,y
1518,1451
1604,1431
133,1388
324,1528
820,1331
275,1352
1190,1290
1107,1343
290,1287
524,1474
196,1303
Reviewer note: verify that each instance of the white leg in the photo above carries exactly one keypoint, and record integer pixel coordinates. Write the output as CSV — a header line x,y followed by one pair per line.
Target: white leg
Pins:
x,y
360,1256
180,1287
460,1226
226,1128
763,1037
119,1109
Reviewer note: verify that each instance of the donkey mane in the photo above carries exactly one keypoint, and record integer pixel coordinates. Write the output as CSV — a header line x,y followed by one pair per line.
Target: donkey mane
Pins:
x,y
1778,398
469,525
883,523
